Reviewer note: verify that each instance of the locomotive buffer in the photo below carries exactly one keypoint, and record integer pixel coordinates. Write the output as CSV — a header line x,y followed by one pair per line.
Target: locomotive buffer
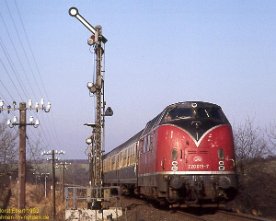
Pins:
x,y
95,193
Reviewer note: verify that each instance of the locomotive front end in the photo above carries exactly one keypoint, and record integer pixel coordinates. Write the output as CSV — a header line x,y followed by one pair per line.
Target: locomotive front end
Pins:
x,y
195,153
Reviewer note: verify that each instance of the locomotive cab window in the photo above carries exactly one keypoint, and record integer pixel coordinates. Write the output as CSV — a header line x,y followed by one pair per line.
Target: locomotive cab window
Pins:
x,y
189,113
177,114
211,113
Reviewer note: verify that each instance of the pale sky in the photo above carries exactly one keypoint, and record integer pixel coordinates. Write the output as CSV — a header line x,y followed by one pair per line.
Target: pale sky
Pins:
x,y
158,53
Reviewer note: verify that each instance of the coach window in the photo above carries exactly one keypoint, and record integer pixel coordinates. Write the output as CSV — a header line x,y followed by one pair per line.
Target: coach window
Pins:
x,y
145,144
117,161
131,157
105,165
149,142
108,163
113,163
141,145
120,160
125,158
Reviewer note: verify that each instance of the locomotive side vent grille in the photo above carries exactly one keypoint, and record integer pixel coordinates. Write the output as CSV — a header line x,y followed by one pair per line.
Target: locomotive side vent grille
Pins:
x,y
191,151
203,152
198,152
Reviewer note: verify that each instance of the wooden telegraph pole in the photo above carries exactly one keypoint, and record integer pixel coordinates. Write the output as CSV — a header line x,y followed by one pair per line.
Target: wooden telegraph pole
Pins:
x,y
22,156
53,154
22,139
63,166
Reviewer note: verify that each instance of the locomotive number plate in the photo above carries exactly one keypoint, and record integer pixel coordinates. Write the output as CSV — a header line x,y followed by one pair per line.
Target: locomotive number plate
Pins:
x,y
198,166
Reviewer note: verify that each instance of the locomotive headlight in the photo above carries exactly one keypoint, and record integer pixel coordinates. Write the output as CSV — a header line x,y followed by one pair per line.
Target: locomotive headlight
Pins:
x,y
91,40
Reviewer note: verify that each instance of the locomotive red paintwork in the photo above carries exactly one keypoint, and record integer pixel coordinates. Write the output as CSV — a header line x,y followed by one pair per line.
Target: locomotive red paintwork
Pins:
x,y
184,155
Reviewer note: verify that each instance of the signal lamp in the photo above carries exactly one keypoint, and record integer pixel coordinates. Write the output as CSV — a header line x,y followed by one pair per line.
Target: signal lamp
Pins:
x,y
88,141
92,87
73,11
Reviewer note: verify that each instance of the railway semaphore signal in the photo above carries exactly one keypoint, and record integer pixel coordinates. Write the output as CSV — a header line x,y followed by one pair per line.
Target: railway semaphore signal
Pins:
x,y
97,40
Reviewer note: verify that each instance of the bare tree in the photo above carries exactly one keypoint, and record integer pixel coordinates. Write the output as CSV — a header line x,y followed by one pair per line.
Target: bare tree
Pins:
x,y
34,150
271,134
34,158
250,143
8,150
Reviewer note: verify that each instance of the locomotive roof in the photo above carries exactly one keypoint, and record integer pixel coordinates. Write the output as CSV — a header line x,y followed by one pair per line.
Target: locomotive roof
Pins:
x,y
190,103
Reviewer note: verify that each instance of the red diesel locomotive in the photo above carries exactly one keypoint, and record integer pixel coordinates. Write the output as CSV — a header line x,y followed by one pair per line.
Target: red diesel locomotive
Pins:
x,y
184,155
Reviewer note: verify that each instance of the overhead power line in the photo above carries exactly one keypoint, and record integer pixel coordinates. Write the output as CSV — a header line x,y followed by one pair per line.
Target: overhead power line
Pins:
x,y
23,49
12,67
32,53
30,86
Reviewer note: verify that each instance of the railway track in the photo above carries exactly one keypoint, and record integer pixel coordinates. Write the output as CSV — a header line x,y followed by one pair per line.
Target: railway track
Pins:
x,y
222,216
142,210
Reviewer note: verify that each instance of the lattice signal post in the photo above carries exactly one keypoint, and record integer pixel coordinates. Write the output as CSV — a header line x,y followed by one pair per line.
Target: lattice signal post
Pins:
x,y
97,40
23,107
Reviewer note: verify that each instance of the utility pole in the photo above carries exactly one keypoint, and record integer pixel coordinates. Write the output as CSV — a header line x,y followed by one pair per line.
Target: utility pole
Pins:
x,y
63,167
22,156
53,154
54,185
36,175
96,40
45,183
22,139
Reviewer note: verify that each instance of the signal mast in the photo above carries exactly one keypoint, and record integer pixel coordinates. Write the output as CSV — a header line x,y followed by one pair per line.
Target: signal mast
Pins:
x,y
97,88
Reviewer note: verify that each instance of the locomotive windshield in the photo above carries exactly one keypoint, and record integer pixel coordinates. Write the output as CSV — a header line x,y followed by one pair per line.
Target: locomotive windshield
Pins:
x,y
196,119
200,113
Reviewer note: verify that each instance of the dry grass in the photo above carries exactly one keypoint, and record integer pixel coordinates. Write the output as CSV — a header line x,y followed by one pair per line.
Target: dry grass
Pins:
x,y
35,199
